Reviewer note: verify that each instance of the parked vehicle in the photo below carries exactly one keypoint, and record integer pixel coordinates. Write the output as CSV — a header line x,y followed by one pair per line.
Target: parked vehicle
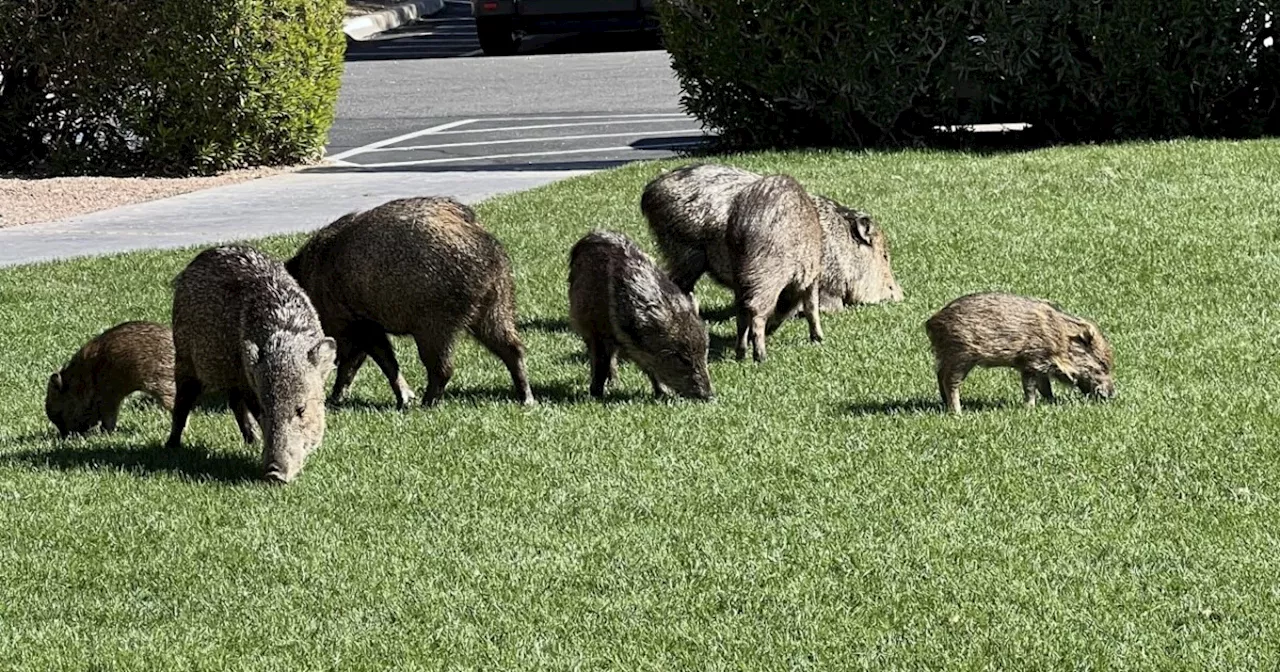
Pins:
x,y
502,24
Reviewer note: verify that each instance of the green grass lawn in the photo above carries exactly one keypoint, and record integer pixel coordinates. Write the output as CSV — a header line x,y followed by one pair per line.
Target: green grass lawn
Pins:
x,y
822,513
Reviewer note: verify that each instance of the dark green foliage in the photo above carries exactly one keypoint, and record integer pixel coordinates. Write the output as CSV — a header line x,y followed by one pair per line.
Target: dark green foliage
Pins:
x,y
833,72
166,86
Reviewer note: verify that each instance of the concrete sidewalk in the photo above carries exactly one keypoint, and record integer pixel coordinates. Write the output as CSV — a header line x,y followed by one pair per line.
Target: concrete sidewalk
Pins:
x,y
273,205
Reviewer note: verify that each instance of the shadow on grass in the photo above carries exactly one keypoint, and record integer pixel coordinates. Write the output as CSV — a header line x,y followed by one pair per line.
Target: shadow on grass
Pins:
x,y
555,393
718,315
387,405
190,462
721,348
557,325
921,405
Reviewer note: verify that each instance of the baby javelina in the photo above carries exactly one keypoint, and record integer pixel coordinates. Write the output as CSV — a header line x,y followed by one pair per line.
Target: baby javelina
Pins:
x,y
774,242
127,358
1030,335
417,266
242,325
621,303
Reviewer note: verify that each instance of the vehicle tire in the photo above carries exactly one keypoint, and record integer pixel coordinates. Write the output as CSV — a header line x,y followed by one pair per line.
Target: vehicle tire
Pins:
x,y
497,36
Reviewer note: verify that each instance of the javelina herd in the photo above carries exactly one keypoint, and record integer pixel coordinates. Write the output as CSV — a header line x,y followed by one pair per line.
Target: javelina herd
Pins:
x,y
267,333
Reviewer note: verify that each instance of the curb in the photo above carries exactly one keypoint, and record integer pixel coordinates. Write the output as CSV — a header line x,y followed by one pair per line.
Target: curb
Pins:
x,y
362,27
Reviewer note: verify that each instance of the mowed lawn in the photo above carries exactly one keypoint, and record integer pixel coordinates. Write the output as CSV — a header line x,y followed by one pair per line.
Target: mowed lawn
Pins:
x,y
821,513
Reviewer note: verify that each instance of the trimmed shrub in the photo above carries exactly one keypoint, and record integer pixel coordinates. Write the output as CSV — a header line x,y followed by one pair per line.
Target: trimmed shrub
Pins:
x,y
166,86
886,72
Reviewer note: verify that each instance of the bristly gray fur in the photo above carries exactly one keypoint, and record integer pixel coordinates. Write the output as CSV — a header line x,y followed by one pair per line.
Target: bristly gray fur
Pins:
x,y
242,325
687,209
621,303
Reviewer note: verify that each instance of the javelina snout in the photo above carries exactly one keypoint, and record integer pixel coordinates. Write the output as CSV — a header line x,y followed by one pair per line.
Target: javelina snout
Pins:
x,y
127,358
1030,335
620,303
774,242
856,265
290,378
417,266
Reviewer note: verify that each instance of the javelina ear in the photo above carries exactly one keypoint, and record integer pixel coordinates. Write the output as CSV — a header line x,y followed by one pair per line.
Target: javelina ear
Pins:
x,y
1085,335
324,353
55,382
251,353
862,227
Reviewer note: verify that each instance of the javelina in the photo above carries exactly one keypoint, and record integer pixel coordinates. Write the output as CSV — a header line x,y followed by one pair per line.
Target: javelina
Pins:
x,y
418,266
774,242
621,303
243,326
127,358
688,211
1030,335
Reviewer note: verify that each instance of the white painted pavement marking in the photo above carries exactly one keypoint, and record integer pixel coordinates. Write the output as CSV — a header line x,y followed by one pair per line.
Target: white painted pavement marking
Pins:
x,y
522,155
534,127
400,138
589,116
514,141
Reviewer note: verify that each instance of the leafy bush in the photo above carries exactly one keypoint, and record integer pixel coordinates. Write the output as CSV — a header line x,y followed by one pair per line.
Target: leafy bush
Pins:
x,y
832,72
166,86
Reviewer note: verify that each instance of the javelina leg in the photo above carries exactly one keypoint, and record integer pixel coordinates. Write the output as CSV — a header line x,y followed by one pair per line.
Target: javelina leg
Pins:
x,y
812,299
436,352
686,268
378,345
604,363
111,416
659,390
787,306
744,330
1029,382
1045,385
188,391
949,379
497,332
757,337
240,407
350,358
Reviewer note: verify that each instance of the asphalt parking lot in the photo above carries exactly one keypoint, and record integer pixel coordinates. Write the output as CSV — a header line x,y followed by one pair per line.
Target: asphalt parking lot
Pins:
x,y
423,98
536,142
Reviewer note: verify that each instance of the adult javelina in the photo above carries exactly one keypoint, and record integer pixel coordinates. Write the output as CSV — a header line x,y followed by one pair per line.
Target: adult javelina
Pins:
x,y
688,211
127,358
621,303
774,242
1031,335
242,325
418,266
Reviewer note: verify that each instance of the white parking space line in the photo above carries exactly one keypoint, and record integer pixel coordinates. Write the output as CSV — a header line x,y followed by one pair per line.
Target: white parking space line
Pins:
x,y
516,141
523,155
400,138
566,125
592,116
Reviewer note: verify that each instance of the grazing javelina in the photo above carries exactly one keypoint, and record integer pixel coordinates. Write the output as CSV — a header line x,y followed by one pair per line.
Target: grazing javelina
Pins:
x,y
127,358
1031,335
688,211
418,266
774,241
242,325
621,303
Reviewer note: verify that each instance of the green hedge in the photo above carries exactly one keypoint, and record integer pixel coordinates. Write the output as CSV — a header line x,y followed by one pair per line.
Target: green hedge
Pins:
x,y
836,72
166,86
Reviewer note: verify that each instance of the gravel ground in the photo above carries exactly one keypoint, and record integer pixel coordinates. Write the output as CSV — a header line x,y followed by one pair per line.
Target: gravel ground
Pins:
x,y
27,201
